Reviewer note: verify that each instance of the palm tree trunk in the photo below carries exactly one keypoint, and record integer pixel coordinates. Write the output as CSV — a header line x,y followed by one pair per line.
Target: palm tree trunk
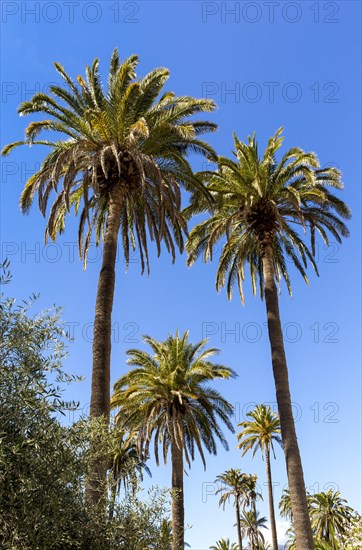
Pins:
x,y
238,526
271,500
100,393
178,513
303,531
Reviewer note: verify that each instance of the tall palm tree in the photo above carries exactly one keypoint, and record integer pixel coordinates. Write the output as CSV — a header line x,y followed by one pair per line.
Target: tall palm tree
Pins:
x,y
166,396
126,467
121,157
260,432
262,208
251,525
330,516
234,484
224,544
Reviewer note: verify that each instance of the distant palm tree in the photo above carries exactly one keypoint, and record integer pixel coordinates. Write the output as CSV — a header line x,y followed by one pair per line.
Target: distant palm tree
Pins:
x,y
251,494
330,516
262,209
285,505
260,432
166,396
126,467
224,544
318,544
121,158
234,484
166,536
251,525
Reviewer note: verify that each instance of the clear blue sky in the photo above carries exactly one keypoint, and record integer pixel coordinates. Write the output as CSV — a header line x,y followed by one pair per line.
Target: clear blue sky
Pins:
x,y
292,64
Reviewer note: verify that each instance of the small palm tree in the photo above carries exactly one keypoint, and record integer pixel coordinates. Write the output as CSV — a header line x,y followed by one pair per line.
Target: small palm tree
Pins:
x,y
259,433
251,525
121,159
261,211
166,396
251,494
224,544
285,505
126,467
330,516
166,535
234,484
318,544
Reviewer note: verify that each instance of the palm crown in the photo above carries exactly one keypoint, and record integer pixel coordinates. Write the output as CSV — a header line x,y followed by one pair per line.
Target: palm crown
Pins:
x,y
260,202
251,493
127,138
260,431
235,483
285,505
166,395
330,515
224,544
251,524
125,465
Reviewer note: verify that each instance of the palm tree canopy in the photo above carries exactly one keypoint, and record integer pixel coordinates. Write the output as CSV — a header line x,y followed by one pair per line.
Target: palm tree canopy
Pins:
x,y
224,544
285,505
251,494
129,137
251,525
234,483
166,395
125,464
260,431
258,202
330,515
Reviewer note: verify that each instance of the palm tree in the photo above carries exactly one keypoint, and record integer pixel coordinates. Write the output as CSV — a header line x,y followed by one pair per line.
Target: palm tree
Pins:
x,y
251,525
125,467
121,158
322,545
234,484
260,432
318,544
166,534
330,516
262,208
285,505
251,494
224,544
166,397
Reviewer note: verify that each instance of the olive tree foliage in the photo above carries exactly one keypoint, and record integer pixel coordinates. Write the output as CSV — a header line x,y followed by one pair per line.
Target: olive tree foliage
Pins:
x,y
43,461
